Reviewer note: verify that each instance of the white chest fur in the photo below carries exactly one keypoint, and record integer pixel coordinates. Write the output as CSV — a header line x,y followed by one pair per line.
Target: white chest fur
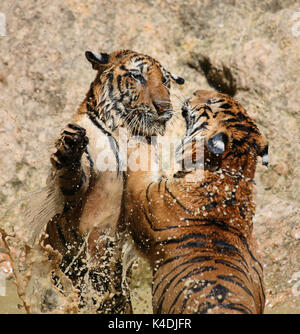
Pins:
x,y
103,204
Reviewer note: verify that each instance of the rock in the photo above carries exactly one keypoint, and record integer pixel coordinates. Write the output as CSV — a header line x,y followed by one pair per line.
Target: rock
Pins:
x,y
296,232
250,47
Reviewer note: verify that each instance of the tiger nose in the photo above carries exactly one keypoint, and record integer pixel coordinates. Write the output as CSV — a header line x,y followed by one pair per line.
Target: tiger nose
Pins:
x,y
161,108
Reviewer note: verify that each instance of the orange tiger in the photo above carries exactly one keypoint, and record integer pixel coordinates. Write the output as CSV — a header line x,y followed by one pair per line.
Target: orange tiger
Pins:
x,y
131,91
196,231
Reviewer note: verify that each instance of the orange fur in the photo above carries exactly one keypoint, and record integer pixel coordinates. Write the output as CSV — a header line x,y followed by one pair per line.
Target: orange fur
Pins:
x,y
196,231
131,90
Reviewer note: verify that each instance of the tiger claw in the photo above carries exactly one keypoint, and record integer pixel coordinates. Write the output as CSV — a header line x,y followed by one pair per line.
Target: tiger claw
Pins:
x,y
70,146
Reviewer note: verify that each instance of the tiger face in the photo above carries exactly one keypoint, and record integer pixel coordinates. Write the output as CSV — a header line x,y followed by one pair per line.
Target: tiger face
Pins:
x,y
232,140
131,90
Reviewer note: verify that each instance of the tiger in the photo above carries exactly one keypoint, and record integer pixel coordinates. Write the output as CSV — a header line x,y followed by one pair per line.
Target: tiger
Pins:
x,y
130,91
195,227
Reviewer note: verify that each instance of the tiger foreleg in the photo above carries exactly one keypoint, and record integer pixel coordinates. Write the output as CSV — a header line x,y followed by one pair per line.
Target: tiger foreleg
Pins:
x,y
66,162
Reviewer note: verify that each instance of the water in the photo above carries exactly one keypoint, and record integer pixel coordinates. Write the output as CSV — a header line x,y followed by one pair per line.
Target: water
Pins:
x,y
9,303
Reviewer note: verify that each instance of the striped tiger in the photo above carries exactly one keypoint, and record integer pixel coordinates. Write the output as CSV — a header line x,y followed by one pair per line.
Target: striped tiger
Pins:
x,y
130,91
196,231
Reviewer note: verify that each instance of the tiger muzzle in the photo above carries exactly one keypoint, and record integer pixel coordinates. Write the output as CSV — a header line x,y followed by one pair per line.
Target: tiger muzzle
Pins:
x,y
163,111
161,108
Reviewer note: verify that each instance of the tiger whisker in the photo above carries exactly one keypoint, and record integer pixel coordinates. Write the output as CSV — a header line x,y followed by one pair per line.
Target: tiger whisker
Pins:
x,y
179,98
124,120
140,124
163,101
134,120
136,123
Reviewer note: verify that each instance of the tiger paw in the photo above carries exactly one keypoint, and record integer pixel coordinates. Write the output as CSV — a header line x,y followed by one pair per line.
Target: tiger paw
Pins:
x,y
70,146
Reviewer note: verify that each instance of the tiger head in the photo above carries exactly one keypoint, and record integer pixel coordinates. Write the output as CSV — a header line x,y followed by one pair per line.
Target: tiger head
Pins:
x,y
131,90
232,140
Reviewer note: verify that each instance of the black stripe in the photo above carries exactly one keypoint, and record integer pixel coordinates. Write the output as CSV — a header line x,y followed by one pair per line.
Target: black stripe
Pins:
x,y
200,127
176,298
242,127
226,251
232,266
224,244
177,201
237,307
158,188
196,271
110,85
251,254
119,79
190,262
233,255
206,107
91,94
193,244
90,160
241,116
152,226
92,111
165,289
91,99
168,274
219,292
262,290
190,274
214,222
233,279
264,151
260,281
194,289
193,260
203,114
139,58
239,142
170,227
226,112
226,106
94,120
147,192
113,143
186,237
207,222
199,259
231,120
211,205
172,259
225,227
128,83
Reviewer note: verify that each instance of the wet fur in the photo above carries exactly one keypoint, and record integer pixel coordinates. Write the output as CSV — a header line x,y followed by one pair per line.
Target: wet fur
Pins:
x,y
130,90
196,229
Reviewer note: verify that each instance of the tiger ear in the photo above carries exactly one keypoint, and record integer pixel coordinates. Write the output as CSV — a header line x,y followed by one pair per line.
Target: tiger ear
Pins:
x,y
178,80
97,59
217,143
265,156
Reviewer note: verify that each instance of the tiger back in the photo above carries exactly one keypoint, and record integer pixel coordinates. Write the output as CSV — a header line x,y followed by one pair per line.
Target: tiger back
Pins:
x,y
197,231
